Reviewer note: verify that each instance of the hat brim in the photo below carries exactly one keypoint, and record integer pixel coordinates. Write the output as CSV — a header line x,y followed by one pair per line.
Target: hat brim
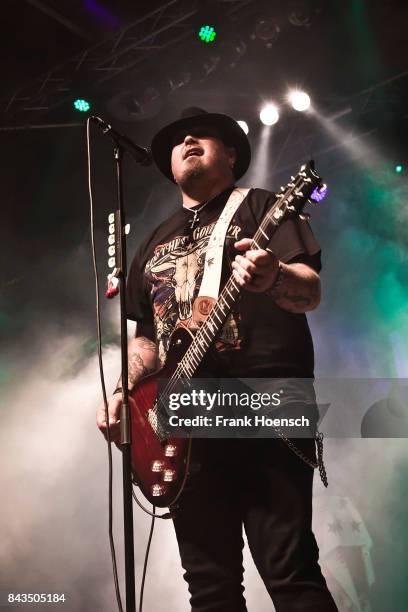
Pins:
x,y
230,132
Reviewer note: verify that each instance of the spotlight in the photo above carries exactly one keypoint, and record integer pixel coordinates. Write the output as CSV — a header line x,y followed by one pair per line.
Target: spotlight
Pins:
x,y
398,168
243,125
300,100
82,105
269,115
207,33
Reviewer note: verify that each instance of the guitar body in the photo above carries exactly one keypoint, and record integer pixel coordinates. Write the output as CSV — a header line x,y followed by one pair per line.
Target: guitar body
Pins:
x,y
159,465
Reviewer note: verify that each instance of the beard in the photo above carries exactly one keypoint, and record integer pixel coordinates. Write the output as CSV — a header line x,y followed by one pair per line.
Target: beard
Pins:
x,y
192,173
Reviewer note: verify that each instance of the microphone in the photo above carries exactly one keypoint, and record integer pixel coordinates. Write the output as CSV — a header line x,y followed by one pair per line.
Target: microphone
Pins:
x,y
140,154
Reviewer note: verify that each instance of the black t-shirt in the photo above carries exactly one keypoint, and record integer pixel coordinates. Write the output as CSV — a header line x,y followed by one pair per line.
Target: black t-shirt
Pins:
x,y
258,339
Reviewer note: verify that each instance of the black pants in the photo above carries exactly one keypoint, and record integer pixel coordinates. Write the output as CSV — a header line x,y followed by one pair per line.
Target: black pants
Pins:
x,y
265,486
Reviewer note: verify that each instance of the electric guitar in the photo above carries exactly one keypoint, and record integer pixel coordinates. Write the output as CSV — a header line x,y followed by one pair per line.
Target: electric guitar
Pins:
x,y
160,462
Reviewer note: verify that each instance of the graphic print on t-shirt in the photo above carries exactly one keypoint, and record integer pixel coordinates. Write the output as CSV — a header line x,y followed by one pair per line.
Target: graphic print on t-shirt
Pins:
x,y
174,275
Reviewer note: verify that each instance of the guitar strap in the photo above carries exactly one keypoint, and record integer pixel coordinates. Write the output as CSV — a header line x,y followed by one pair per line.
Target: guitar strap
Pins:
x,y
210,284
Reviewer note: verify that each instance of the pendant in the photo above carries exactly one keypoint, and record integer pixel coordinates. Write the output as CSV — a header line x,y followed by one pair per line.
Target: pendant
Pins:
x,y
194,220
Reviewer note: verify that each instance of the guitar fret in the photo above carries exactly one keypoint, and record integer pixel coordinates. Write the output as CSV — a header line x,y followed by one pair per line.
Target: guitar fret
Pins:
x,y
212,326
229,292
199,341
266,235
185,370
192,358
205,334
197,355
215,315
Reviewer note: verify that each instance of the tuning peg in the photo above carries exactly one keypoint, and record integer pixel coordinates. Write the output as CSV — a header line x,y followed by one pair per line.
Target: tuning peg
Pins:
x,y
304,216
319,194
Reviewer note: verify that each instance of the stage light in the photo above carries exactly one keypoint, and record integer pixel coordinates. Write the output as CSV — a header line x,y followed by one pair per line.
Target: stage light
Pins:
x,y
269,115
243,125
299,100
136,104
207,33
399,168
300,14
267,31
82,105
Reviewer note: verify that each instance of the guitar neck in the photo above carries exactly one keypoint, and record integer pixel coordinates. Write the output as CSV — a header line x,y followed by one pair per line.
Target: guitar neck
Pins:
x,y
228,297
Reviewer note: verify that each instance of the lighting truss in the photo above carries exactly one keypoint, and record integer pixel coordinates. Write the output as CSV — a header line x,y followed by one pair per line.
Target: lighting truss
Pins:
x,y
132,47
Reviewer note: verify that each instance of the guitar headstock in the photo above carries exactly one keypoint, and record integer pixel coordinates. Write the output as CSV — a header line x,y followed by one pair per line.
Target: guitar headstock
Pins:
x,y
306,186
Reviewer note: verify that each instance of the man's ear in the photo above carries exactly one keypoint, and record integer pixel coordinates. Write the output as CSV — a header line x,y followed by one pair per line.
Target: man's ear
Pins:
x,y
232,154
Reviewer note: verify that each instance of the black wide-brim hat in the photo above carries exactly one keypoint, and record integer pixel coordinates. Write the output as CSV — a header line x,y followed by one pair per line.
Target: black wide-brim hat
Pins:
x,y
230,132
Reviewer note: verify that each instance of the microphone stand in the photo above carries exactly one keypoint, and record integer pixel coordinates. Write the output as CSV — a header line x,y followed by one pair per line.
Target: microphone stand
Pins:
x,y
123,144
125,411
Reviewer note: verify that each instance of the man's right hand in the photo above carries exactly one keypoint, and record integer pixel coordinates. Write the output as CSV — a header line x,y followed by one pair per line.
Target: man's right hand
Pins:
x,y
114,405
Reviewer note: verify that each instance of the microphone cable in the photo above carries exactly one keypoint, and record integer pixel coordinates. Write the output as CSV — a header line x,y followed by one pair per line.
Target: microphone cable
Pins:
x,y
102,375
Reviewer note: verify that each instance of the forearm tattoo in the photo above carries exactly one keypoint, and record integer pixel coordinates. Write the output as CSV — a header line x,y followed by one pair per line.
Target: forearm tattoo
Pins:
x,y
299,290
143,360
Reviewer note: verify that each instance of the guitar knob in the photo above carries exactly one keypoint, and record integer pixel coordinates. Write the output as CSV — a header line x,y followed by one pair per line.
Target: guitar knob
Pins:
x,y
169,475
157,465
170,450
111,239
111,217
158,490
111,262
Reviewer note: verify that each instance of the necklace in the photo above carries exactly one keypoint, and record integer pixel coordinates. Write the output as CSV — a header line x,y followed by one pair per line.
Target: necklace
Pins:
x,y
196,218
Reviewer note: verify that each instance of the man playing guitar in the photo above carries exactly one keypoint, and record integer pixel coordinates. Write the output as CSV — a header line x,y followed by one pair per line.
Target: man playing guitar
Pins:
x,y
259,483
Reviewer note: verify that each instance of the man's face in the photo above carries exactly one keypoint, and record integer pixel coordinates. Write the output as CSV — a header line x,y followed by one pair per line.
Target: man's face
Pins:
x,y
198,153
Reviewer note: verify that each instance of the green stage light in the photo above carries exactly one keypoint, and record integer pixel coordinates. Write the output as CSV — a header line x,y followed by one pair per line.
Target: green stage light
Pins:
x,y
82,105
207,33
399,168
